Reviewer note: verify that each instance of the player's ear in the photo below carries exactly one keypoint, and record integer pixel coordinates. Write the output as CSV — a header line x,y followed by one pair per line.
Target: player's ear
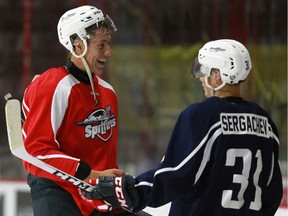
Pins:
x,y
78,46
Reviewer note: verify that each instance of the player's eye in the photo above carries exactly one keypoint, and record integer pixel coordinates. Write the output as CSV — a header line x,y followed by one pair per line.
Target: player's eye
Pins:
x,y
101,45
104,45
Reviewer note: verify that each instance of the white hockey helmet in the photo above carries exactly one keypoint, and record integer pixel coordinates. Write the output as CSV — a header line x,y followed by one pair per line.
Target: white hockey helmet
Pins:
x,y
77,20
229,56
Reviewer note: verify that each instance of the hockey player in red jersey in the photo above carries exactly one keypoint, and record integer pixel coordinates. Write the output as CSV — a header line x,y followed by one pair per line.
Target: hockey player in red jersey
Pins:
x,y
222,158
71,116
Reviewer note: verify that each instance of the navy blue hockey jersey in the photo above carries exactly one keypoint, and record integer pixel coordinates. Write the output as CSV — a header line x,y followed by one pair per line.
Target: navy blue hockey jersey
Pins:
x,y
222,159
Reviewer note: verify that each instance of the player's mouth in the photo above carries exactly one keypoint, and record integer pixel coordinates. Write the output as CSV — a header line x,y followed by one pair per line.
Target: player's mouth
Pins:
x,y
101,62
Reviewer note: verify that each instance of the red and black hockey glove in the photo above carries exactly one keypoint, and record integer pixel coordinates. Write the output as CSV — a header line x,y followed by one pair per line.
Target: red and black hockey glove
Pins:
x,y
98,204
115,192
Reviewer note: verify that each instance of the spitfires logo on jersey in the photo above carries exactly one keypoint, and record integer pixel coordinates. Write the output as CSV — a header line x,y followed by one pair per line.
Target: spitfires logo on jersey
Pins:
x,y
99,123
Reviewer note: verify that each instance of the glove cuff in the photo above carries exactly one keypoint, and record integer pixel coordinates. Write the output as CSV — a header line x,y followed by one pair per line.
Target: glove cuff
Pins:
x,y
83,170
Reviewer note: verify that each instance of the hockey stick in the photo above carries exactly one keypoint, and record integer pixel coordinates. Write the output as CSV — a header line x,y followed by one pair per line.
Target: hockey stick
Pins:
x,y
14,128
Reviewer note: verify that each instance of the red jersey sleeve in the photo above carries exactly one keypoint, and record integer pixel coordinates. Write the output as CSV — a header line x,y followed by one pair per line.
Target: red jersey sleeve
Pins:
x,y
38,132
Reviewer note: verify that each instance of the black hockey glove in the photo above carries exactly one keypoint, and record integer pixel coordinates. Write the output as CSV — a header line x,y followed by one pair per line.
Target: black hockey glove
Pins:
x,y
118,192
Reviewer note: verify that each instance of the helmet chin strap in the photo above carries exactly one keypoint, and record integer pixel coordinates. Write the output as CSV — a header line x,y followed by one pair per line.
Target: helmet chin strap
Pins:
x,y
213,90
85,64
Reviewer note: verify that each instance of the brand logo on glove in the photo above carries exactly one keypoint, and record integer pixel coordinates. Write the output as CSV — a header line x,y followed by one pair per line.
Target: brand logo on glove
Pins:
x,y
99,123
119,192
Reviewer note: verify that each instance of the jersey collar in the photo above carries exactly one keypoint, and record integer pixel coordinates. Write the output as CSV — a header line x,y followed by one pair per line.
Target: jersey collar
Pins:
x,y
234,99
77,73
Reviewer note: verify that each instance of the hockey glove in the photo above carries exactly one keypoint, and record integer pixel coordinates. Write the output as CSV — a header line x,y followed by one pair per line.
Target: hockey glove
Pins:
x,y
116,192
98,204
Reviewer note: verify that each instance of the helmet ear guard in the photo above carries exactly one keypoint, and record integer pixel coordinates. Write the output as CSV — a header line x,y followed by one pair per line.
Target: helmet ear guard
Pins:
x,y
84,51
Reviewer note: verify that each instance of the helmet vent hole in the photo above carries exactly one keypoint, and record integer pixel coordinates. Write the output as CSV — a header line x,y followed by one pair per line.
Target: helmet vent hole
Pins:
x,y
232,63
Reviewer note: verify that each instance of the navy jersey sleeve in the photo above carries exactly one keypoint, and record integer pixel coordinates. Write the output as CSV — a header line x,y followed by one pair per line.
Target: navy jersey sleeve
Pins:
x,y
181,166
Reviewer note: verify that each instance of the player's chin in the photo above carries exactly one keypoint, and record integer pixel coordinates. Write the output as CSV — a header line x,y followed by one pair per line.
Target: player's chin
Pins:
x,y
100,67
98,70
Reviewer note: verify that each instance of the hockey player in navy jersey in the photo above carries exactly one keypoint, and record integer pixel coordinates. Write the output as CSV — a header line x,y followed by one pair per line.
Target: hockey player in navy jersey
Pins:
x,y
222,158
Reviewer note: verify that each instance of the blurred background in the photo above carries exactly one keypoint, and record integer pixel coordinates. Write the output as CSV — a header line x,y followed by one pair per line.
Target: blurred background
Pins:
x,y
153,50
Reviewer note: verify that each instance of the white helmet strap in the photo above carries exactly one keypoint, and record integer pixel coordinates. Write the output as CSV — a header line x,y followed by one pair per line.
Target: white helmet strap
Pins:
x,y
85,49
213,90
86,66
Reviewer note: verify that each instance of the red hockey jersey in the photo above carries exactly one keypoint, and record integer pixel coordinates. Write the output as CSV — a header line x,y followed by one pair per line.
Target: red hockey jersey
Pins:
x,y
63,125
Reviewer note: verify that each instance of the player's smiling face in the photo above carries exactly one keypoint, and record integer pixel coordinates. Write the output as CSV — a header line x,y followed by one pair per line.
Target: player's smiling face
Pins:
x,y
99,50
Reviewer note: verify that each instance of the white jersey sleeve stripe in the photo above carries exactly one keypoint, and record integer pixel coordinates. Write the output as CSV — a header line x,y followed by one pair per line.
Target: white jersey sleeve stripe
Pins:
x,y
24,106
207,153
60,102
272,170
40,157
144,183
105,84
169,169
